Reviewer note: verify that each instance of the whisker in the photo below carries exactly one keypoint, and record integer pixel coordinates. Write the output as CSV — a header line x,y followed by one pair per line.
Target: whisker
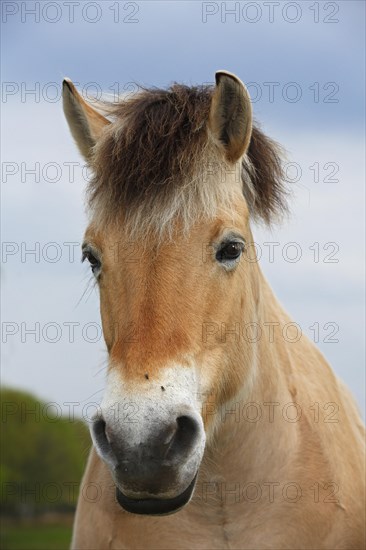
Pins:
x,y
92,395
90,286
103,367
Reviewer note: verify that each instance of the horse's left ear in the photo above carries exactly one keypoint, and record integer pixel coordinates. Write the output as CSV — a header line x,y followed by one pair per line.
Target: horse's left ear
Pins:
x,y
85,123
231,115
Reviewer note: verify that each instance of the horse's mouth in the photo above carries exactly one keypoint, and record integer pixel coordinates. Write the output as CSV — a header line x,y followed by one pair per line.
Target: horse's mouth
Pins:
x,y
156,506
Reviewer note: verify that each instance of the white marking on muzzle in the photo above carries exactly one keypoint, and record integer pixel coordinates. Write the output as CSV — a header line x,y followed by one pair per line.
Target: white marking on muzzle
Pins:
x,y
136,410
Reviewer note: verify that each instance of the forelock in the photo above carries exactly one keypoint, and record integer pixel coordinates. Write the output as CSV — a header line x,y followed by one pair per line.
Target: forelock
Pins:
x,y
152,165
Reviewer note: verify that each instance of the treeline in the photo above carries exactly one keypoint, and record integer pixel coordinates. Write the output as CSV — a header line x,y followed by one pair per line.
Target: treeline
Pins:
x,y
42,457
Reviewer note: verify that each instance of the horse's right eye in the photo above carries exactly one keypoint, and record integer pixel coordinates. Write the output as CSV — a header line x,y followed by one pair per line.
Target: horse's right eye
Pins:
x,y
93,261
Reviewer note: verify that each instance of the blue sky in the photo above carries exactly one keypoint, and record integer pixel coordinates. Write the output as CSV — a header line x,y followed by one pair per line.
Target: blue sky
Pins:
x,y
170,41
320,64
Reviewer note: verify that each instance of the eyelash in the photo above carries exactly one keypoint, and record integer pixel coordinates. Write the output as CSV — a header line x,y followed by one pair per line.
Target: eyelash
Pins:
x,y
95,264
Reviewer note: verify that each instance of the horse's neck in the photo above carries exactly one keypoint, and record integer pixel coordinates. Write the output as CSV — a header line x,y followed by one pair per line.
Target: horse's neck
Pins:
x,y
251,436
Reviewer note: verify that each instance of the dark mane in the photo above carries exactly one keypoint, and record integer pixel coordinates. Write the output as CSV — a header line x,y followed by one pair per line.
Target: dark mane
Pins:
x,y
158,149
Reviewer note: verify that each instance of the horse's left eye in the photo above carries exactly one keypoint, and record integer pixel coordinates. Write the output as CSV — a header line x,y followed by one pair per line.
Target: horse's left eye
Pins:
x,y
93,261
229,252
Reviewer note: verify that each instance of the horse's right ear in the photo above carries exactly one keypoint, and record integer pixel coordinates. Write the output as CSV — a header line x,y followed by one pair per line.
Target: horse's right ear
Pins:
x,y
85,123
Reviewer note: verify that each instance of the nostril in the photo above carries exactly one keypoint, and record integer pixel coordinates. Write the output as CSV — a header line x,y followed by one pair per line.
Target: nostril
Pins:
x,y
99,425
186,425
99,435
185,436
101,441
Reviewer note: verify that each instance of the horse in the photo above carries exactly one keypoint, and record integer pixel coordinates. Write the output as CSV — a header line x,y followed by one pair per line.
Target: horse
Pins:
x,y
215,430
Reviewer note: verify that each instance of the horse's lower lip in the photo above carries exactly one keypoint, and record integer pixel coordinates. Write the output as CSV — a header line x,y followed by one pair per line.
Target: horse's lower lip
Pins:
x,y
155,506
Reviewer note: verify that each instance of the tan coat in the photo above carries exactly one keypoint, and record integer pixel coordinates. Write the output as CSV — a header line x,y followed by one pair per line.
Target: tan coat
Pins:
x,y
284,456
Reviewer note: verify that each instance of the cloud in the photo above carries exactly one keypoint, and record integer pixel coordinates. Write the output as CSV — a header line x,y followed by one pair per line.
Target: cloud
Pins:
x,y
157,43
326,208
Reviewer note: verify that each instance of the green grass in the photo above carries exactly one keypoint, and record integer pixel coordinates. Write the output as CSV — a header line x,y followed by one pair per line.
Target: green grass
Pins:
x,y
35,537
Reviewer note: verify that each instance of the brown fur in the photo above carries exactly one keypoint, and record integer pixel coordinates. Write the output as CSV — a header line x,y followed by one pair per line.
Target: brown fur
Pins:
x,y
159,147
